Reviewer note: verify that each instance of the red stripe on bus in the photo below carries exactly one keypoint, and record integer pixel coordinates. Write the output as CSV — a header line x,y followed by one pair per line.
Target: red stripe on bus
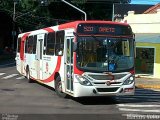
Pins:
x,y
23,39
51,78
68,25
76,70
75,23
48,29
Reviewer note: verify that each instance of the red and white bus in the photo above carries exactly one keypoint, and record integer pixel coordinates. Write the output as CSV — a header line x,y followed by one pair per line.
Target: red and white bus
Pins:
x,y
80,58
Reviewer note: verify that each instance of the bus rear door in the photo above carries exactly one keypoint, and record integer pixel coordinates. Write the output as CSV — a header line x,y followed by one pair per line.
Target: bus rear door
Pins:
x,y
39,53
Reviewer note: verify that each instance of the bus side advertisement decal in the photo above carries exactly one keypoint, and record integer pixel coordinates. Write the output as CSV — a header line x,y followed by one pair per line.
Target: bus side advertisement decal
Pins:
x,y
58,65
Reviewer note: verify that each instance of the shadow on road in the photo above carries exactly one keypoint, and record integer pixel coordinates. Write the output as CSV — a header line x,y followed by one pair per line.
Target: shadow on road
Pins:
x,y
88,100
96,100
141,95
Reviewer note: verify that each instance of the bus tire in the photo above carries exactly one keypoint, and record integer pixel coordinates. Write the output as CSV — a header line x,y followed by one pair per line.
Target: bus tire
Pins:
x,y
28,75
58,88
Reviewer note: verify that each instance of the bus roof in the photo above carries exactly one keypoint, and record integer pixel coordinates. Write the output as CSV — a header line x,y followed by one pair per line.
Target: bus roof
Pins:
x,y
74,24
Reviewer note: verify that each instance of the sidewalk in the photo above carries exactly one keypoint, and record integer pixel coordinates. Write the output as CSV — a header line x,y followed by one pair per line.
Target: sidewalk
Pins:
x,y
147,83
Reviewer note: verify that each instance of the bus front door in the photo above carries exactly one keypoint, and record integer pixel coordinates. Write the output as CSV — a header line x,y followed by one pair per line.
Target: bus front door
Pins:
x,y
69,65
39,53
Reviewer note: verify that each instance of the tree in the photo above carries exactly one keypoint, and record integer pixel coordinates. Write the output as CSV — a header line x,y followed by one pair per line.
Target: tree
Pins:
x,y
36,17
43,13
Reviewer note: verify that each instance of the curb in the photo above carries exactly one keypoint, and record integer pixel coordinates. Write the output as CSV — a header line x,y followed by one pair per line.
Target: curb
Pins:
x,y
148,86
142,76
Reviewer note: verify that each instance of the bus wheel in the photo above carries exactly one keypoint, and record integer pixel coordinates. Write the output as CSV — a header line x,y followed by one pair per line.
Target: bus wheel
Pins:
x,y
58,88
28,75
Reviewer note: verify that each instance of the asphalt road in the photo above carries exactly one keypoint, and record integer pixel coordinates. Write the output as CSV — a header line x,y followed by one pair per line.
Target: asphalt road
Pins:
x,y
20,100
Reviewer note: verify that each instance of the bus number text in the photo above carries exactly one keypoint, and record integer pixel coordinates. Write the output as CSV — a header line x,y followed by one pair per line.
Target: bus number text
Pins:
x,y
88,29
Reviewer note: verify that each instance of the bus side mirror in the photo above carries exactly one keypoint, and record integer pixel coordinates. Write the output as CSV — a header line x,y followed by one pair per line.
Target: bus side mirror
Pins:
x,y
60,53
74,46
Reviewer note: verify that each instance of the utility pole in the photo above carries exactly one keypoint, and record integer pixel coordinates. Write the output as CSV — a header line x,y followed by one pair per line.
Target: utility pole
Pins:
x,y
14,15
85,15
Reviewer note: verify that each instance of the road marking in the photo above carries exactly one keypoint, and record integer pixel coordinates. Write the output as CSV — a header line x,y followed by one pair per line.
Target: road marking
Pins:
x,y
147,96
149,92
2,74
139,110
10,76
144,94
144,97
146,91
137,106
19,78
140,95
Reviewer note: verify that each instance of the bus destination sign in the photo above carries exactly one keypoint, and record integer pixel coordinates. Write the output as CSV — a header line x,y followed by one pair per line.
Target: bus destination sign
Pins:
x,y
103,29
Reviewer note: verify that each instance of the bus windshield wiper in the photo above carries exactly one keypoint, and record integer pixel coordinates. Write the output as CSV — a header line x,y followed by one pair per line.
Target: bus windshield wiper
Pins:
x,y
75,34
95,38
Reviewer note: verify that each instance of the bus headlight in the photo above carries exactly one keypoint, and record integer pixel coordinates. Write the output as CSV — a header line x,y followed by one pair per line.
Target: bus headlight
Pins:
x,y
83,81
128,81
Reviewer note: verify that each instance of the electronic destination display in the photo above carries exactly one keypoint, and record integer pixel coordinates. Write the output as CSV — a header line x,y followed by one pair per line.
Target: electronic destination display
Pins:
x,y
104,29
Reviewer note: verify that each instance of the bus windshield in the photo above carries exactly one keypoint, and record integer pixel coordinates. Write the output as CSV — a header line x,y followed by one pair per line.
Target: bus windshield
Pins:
x,y
105,54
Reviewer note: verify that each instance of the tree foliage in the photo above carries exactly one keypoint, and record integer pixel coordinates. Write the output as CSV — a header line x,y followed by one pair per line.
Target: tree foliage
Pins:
x,y
52,12
29,14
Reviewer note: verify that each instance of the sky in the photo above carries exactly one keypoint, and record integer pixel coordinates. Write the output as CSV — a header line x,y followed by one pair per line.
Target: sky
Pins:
x,y
152,2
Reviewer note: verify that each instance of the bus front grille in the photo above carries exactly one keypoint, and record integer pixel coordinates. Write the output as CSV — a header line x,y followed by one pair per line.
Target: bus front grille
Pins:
x,y
107,89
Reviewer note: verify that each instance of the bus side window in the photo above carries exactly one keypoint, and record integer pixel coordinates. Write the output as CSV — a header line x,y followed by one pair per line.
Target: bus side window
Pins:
x,y
50,48
18,44
45,44
26,45
34,43
30,45
59,43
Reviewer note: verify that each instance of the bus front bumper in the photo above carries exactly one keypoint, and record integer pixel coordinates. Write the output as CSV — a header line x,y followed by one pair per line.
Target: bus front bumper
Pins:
x,y
84,91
